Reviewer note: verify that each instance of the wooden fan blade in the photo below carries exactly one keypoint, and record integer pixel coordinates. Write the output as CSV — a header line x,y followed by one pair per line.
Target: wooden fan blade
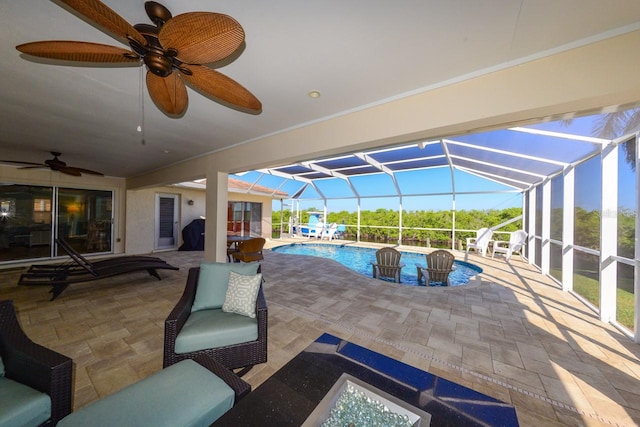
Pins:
x,y
15,162
201,37
78,51
67,170
168,93
80,171
222,88
102,15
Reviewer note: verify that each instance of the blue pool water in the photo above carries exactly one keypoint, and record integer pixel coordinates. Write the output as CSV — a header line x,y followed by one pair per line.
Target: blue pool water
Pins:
x,y
359,260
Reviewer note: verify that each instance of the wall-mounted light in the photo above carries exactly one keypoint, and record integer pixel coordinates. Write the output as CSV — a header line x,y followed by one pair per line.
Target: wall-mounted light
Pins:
x,y
190,202
73,208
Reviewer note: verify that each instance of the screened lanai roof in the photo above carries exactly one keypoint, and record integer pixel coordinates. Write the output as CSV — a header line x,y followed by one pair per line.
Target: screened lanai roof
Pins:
x,y
507,160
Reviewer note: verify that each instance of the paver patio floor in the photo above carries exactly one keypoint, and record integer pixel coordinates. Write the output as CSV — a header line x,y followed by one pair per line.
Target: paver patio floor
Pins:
x,y
512,334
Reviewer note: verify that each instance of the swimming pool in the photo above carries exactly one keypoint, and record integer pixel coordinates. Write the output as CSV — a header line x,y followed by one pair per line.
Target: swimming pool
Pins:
x,y
359,260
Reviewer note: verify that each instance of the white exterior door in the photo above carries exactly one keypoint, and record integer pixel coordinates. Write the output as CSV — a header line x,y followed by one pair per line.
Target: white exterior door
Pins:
x,y
167,221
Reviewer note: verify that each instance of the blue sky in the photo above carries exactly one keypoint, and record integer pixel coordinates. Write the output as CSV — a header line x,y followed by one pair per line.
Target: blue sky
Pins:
x,y
429,189
439,182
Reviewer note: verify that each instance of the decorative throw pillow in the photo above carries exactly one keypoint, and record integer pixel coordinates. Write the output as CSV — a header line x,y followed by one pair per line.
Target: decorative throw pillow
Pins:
x,y
213,281
242,294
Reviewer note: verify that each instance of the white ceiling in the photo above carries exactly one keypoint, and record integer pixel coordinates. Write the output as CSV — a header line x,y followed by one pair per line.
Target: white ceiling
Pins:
x,y
355,52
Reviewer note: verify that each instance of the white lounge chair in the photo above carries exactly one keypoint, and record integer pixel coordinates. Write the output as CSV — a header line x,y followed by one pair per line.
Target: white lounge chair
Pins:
x,y
480,243
330,232
316,230
516,242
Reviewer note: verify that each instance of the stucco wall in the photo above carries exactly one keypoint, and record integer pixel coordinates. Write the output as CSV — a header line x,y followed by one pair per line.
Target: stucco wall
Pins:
x,y
140,214
134,210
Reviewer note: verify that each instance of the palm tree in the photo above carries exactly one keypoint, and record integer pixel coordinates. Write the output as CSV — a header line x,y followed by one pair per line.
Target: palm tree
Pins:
x,y
613,125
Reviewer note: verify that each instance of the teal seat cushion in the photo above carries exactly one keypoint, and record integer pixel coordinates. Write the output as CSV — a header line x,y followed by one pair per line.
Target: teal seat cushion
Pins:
x,y
184,394
213,281
21,405
215,328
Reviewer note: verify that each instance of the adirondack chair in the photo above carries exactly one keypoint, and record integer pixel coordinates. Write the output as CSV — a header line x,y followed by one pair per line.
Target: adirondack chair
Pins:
x,y
439,265
387,264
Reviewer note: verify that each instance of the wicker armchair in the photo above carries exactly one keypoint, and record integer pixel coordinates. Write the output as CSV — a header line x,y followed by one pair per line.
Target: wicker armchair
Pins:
x,y
243,355
249,250
387,264
34,365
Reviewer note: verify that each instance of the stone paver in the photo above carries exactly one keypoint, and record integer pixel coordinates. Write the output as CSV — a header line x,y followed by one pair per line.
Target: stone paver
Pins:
x,y
512,334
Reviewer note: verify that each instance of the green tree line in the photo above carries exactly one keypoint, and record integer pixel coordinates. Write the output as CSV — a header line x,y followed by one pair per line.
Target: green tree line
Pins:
x,y
372,223
586,231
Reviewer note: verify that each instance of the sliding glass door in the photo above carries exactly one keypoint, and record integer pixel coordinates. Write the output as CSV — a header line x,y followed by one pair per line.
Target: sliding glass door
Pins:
x,y
30,216
25,221
244,218
84,219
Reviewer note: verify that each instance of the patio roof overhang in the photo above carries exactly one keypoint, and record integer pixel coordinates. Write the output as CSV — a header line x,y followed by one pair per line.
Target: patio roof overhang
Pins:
x,y
508,160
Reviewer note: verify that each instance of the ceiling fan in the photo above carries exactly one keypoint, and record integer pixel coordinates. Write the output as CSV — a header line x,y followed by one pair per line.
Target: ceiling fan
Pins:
x,y
174,51
54,164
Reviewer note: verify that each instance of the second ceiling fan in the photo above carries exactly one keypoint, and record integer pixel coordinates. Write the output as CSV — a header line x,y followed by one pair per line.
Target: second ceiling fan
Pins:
x,y
174,50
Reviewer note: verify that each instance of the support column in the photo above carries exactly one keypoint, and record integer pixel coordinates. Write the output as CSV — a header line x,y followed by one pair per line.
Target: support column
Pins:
x,y
568,226
215,235
400,223
609,234
453,222
532,224
546,226
358,224
636,281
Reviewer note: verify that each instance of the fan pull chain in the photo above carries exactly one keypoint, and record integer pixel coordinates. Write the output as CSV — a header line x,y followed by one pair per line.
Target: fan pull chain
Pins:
x,y
141,95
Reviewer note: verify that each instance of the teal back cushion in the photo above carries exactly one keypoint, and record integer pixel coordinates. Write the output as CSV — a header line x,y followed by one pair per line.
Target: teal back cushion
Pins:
x,y
1,367
213,282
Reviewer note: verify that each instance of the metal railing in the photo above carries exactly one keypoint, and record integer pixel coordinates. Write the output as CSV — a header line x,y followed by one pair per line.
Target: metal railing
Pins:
x,y
408,238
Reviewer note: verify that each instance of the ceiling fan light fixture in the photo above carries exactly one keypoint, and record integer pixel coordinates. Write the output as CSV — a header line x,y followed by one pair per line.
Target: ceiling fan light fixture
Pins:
x,y
186,43
157,13
158,64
